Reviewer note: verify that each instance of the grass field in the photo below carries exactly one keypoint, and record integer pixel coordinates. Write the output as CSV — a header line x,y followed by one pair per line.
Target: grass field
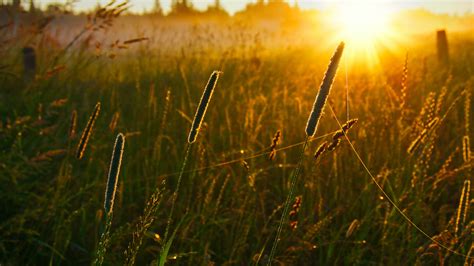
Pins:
x,y
413,130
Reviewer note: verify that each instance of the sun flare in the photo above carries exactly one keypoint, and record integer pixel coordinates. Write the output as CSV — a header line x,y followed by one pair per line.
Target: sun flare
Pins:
x,y
362,22
363,25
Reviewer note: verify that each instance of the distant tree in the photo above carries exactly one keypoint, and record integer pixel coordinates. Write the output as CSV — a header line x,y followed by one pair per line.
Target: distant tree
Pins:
x,y
185,3
273,9
157,8
216,10
182,7
54,9
32,6
16,4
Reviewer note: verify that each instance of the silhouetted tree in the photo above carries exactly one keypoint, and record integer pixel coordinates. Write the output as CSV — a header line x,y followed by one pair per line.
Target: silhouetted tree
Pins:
x,y
16,4
157,8
216,10
32,6
182,7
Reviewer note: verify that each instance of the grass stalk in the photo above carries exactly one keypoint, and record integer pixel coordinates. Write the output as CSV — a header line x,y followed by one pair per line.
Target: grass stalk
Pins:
x,y
311,127
289,199
111,189
176,191
193,132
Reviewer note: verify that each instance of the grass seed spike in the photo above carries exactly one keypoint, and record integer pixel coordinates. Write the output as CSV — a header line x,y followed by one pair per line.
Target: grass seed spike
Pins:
x,y
110,190
193,132
311,127
81,147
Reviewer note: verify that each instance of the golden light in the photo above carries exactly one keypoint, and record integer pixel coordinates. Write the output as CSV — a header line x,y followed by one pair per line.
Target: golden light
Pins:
x,y
363,25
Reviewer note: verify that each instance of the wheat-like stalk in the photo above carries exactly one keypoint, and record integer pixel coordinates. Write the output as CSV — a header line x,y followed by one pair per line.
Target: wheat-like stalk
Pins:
x,y
324,91
463,206
334,143
81,147
193,132
466,149
104,242
349,124
336,139
165,112
469,260
202,108
114,122
114,171
275,141
73,125
320,150
311,127
143,224
352,228
295,208
467,201
404,84
467,110
415,143
110,190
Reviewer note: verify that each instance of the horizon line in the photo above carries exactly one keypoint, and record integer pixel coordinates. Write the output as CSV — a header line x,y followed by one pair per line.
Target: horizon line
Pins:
x,y
141,7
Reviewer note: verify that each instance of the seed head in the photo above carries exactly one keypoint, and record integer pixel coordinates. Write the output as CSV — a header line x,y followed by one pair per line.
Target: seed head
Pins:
x,y
87,132
323,93
201,110
114,171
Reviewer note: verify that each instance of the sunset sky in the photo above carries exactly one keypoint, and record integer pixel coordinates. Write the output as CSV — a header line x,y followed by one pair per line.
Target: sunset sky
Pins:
x,y
459,7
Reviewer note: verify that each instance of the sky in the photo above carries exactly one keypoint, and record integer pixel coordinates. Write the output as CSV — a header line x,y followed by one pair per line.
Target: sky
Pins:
x,y
459,7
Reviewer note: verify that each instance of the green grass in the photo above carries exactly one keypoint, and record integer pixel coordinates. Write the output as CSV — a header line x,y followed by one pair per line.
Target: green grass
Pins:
x,y
51,210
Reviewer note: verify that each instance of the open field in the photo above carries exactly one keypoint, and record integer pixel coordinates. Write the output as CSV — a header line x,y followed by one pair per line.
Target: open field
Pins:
x,y
413,131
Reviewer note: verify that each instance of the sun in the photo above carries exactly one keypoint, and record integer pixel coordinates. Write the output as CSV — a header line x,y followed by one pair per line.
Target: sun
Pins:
x,y
363,25
361,22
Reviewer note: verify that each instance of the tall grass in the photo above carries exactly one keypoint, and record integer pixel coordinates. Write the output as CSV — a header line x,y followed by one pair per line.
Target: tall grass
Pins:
x,y
193,132
110,191
52,207
86,133
311,127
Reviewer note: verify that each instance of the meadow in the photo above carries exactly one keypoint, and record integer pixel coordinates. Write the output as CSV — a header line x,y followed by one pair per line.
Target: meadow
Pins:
x,y
414,125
